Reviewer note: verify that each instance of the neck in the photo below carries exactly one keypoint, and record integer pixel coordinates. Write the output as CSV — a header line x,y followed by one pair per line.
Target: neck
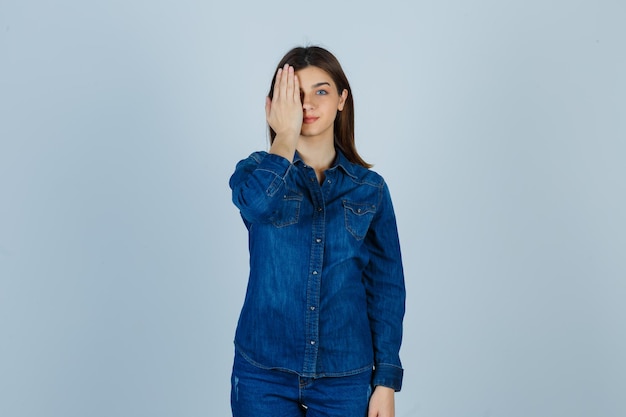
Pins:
x,y
319,155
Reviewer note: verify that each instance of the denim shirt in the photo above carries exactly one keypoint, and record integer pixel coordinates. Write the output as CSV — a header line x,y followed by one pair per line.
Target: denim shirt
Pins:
x,y
326,292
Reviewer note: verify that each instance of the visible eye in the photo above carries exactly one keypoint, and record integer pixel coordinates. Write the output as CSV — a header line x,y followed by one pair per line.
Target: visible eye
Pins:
x,y
321,92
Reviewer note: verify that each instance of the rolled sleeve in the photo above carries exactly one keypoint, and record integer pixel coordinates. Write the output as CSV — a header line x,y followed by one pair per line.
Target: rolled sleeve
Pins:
x,y
257,183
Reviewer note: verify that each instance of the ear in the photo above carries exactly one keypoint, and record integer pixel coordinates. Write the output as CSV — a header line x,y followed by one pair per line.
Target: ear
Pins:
x,y
342,99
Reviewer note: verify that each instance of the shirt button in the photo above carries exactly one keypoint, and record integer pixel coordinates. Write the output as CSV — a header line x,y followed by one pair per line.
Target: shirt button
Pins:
x,y
314,272
312,342
318,240
312,308
319,209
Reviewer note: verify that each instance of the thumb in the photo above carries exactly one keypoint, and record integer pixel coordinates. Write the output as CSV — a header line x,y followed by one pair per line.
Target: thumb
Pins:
x,y
268,107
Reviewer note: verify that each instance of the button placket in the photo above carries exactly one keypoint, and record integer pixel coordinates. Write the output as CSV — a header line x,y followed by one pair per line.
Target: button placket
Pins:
x,y
315,272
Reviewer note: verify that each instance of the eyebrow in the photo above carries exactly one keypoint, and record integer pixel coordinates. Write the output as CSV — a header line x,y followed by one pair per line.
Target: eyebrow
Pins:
x,y
320,84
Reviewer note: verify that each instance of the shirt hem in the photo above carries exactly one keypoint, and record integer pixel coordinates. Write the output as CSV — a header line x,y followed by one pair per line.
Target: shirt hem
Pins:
x,y
303,374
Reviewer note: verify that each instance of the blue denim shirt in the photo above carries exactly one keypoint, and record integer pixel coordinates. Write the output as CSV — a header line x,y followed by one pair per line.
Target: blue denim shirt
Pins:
x,y
326,291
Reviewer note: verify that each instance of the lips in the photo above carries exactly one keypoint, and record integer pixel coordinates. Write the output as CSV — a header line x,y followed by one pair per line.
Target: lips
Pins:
x,y
309,119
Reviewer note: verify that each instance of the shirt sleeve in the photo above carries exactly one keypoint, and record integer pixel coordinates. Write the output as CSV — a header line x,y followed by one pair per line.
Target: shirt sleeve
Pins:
x,y
386,294
258,184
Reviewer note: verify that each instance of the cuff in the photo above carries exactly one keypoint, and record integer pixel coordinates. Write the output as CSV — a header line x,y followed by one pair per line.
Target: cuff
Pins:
x,y
388,376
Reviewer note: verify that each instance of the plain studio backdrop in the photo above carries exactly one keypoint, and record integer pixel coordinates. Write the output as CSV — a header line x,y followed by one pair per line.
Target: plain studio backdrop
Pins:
x,y
499,126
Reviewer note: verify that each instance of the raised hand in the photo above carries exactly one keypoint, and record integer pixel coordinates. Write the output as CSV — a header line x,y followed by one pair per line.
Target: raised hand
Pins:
x,y
284,112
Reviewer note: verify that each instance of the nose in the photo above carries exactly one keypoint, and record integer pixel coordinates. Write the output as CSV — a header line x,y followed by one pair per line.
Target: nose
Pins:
x,y
307,104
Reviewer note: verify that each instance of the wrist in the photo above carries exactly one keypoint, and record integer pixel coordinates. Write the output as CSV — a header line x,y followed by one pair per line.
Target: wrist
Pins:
x,y
385,389
284,146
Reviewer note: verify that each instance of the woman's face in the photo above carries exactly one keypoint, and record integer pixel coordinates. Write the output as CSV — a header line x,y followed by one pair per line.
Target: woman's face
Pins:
x,y
320,102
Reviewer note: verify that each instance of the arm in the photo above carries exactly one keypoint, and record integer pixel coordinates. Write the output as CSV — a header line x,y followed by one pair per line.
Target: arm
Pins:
x,y
384,285
259,181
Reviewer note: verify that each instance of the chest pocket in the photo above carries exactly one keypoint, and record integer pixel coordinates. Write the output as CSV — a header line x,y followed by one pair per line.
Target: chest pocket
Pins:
x,y
289,211
358,217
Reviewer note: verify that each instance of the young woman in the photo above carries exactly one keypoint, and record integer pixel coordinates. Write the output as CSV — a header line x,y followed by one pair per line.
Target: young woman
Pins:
x,y
321,326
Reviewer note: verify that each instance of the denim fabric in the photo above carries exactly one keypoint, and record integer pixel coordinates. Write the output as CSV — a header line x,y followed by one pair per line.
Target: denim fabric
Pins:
x,y
270,392
326,291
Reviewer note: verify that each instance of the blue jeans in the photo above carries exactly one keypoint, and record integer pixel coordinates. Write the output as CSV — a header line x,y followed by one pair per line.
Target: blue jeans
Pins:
x,y
258,392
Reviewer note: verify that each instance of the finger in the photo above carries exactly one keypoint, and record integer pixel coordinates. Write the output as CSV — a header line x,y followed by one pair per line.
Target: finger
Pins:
x,y
268,107
296,89
279,88
290,83
277,83
282,84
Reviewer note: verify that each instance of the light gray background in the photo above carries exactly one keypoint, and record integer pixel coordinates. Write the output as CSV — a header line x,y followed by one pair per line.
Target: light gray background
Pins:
x,y
499,126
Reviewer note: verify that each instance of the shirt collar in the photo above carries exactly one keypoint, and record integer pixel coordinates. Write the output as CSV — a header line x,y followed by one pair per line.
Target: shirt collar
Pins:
x,y
340,161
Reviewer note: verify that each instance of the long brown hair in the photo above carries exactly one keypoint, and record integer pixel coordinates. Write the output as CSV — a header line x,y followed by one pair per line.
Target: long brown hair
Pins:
x,y
302,57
